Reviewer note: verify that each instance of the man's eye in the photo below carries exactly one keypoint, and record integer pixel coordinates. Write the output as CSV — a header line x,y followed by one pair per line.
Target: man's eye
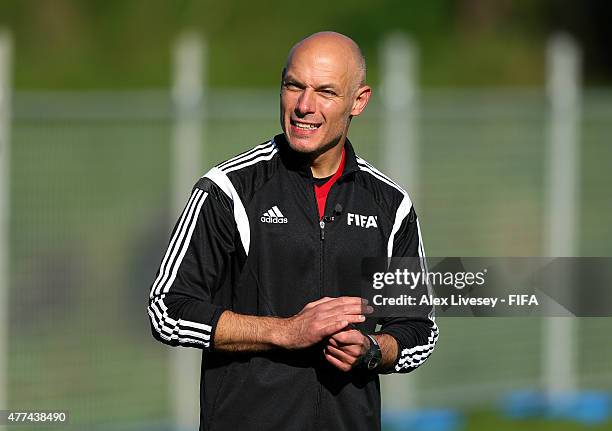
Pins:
x,y
328,93
291,86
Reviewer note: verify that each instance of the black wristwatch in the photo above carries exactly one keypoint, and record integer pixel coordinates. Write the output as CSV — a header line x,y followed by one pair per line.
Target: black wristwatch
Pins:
x,y
372,358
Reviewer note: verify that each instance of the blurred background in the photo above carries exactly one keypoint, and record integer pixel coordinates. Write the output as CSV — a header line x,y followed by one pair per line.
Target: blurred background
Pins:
x,y
499,117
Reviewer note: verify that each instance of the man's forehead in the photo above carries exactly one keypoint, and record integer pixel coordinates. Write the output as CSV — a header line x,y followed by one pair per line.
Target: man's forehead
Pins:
x,y
321,52
318,64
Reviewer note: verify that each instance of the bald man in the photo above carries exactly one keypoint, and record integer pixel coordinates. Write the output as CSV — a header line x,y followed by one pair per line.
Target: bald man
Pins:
x,y
262,272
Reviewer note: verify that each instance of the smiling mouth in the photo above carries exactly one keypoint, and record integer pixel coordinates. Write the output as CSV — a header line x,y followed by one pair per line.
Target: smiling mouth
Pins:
x,y
305,126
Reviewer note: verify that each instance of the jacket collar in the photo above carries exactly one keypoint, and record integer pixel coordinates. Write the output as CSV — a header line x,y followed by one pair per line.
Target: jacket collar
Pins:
x,y
297,162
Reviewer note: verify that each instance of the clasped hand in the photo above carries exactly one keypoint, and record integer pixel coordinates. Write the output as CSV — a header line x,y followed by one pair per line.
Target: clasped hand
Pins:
x,y
329,320
345,348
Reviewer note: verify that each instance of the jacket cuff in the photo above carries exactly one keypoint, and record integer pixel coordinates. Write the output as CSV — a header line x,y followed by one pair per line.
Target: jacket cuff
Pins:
x,y
415,343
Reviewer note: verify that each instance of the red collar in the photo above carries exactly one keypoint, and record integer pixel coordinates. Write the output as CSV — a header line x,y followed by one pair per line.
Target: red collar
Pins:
x,y
322,191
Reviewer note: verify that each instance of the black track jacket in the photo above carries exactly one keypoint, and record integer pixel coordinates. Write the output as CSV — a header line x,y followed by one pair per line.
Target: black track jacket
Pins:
x,y
250,240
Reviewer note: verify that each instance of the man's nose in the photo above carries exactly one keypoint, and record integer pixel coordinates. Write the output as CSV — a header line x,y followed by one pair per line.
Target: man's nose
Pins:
x,y
306,102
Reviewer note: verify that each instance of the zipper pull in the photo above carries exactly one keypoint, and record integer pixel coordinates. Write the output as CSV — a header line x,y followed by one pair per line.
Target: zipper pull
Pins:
x,y
322,226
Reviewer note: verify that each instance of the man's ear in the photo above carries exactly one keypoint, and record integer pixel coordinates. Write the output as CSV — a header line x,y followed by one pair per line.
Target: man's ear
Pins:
x,y
362,97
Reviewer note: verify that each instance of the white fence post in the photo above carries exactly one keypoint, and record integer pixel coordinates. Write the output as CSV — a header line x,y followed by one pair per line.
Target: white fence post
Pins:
x,y
6,47
188,92
400,159
563,86
399,91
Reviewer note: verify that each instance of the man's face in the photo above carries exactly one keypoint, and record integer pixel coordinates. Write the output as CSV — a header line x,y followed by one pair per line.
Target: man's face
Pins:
x,y
317,99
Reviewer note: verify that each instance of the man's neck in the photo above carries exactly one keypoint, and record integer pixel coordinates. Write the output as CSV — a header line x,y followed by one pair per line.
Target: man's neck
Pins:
x,y
326,164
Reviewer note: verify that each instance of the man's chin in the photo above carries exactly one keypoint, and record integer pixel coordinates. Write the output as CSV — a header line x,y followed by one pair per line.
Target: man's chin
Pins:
x,y
303,146
310,148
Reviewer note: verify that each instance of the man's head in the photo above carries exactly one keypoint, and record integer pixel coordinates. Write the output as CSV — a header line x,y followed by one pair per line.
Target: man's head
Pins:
x,y
322,88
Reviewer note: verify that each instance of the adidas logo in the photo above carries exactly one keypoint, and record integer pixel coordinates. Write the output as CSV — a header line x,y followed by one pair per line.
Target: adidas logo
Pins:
x,y
273,215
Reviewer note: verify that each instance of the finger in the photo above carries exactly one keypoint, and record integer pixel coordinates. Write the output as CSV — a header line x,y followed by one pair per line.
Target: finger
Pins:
x,y
354,300
335,362
352,350
347,301
348,358
350,336
363,301
338,309
332,325
333,342
319,301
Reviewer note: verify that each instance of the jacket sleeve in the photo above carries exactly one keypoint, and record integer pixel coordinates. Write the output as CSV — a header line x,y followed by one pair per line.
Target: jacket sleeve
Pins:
x,y
181,309
416,335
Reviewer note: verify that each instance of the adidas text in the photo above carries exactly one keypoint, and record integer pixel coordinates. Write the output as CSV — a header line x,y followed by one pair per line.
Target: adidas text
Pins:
x,y
273,215
268,219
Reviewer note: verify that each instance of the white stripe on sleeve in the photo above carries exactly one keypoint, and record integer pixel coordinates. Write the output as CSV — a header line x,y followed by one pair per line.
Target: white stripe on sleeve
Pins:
x,y
240,216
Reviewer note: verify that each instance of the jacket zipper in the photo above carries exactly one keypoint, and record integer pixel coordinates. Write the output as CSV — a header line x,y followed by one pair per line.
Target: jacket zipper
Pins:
x,y
322,258
322,222
321,282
